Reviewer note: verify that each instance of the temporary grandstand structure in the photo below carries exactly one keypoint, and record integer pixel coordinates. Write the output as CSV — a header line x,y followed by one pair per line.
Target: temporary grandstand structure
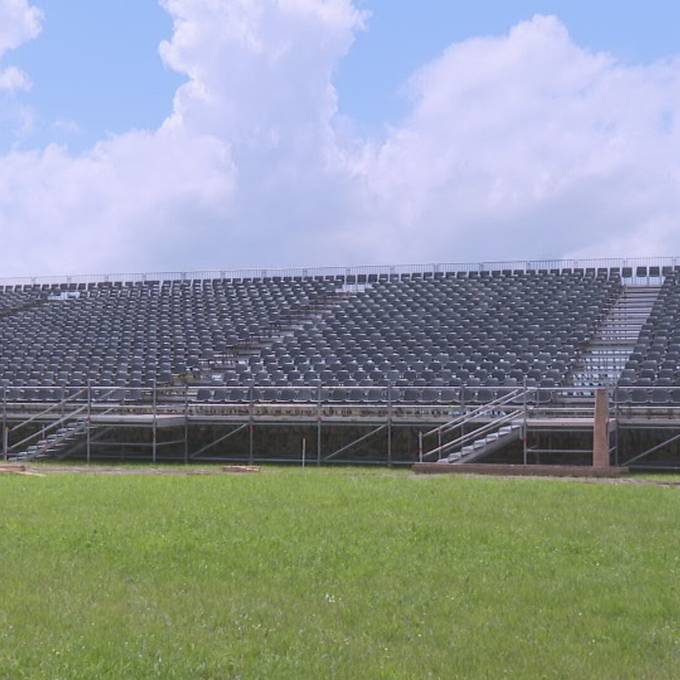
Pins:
x,y
366,364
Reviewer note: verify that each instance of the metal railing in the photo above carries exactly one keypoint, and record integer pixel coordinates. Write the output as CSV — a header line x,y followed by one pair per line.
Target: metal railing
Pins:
x,y
477,433
479,397
469,414
354,270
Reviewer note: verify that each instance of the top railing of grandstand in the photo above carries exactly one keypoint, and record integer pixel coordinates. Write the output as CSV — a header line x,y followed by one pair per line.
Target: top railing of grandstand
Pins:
x,y
634,263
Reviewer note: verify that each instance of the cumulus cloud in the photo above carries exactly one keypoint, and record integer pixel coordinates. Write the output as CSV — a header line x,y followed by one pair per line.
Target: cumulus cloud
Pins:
x,y
527,145
12,79
521,145
19,23
242,171
136,199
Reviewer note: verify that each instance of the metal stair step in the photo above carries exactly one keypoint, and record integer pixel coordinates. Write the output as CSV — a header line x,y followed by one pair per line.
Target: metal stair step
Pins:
x,y
607,354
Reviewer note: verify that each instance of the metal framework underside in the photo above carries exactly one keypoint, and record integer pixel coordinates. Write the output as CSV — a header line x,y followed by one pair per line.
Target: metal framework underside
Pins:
x,y
168,423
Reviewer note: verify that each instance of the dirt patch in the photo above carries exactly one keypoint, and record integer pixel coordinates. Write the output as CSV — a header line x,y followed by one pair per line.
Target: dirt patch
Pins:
x,y
636,481
158,471
176,471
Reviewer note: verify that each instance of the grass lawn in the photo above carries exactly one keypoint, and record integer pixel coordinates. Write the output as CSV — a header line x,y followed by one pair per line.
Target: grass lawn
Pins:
x,y
337,574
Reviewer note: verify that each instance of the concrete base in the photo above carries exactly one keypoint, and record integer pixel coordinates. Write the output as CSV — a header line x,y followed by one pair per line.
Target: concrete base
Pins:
x,y
519,470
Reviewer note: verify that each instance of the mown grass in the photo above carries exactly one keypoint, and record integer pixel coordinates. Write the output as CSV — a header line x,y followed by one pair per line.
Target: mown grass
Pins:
x,y
336,574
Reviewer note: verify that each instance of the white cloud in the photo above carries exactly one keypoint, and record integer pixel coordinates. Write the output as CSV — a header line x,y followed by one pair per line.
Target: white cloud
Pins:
x,y
527,145
523,145
132,198
12,79
238,172
19,23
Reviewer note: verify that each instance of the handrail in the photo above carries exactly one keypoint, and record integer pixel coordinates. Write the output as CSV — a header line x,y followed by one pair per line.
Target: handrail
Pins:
x,y
475,434
51,408
469,415
49,427
46,444
565,399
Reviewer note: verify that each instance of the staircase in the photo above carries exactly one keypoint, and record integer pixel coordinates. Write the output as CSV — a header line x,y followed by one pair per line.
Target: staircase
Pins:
x,y
54,443
486,445
615,339
23,307
495,425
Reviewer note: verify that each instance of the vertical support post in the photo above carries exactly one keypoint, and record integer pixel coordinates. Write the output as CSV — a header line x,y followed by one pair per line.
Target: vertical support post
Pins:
x,y
601,429
88,427
616,425
251,425
154,433
420,447
389,425
318,425
186,423
304,451
525,431
5,435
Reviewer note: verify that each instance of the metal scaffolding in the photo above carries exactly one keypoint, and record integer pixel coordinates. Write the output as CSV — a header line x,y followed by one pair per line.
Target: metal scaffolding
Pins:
x,y
171,423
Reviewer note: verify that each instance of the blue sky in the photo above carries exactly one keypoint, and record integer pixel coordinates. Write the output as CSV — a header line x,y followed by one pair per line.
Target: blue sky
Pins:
x,y
403,35
82,76
460,132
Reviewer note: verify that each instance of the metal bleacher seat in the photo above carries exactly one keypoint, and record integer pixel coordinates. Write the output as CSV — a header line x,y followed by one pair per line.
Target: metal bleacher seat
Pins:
x,y
426,333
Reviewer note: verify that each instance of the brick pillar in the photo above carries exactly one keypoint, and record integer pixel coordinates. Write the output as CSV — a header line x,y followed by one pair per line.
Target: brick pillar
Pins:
x,y
601,429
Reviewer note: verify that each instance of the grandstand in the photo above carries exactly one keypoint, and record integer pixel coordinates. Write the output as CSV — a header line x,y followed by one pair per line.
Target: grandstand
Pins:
x,y
452,362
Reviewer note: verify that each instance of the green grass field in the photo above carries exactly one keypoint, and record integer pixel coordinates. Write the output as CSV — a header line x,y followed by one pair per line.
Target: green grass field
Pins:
x,y
337,574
